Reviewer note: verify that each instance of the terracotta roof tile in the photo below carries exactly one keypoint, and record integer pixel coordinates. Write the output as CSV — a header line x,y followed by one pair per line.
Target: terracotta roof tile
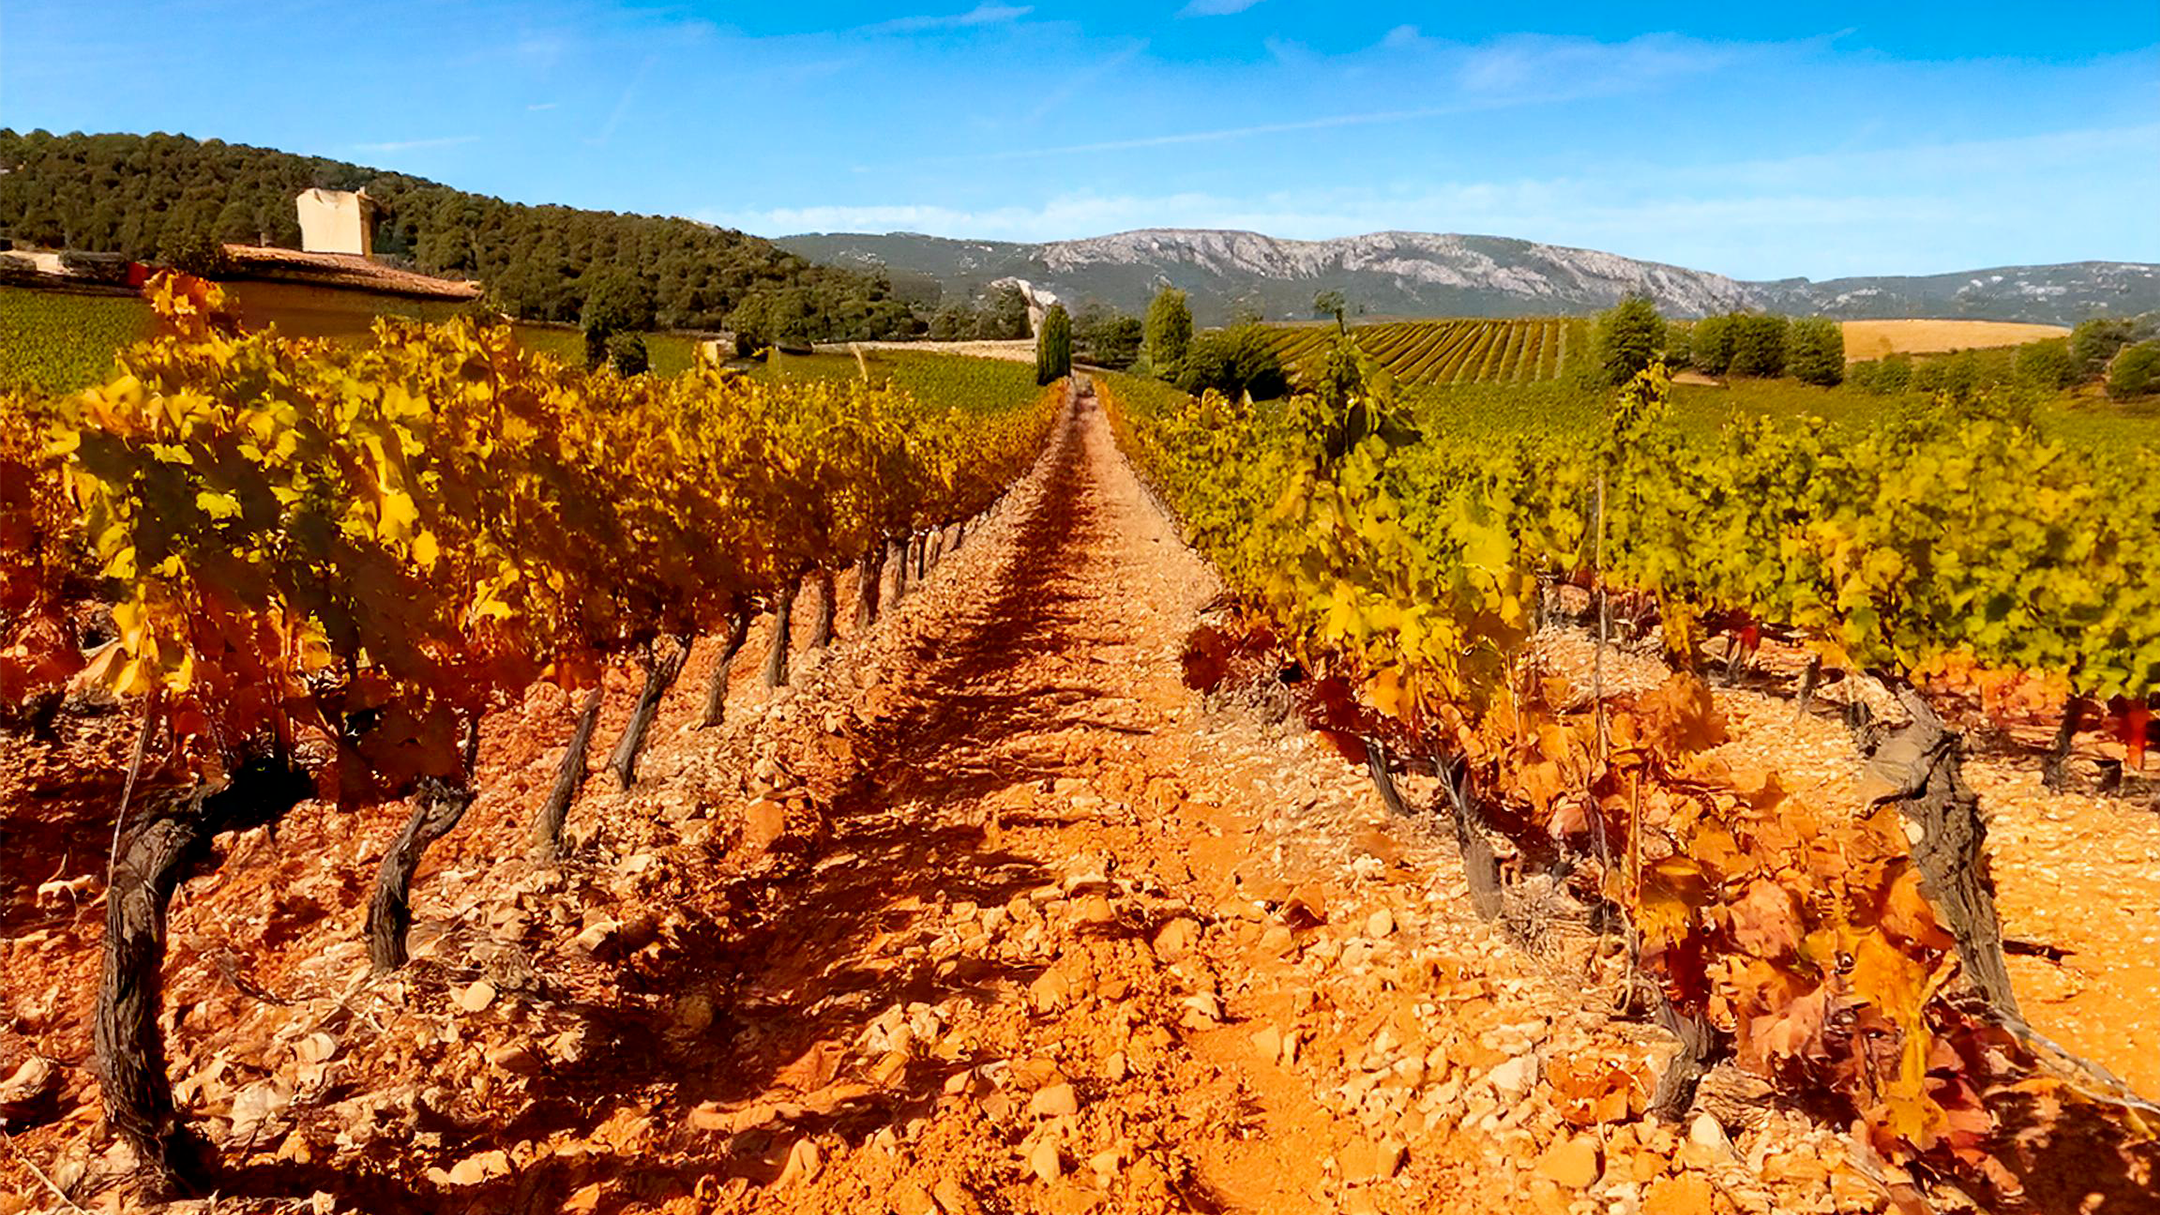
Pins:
x,y
343,270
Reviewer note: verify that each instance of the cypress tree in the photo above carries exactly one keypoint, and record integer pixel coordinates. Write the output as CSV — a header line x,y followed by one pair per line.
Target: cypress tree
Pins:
x,y
1053,346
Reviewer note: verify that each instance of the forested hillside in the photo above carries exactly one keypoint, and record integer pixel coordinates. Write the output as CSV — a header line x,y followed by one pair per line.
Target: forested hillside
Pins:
x,y
144,195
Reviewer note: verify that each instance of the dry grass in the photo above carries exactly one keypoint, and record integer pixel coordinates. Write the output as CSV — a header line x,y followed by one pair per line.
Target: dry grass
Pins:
x,y
1874,339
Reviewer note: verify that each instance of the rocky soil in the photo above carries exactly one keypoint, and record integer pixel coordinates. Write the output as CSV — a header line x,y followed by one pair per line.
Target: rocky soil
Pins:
x,y
985,912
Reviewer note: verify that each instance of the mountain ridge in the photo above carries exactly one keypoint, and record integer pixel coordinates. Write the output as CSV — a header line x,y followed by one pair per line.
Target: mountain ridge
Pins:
x,y
1404,273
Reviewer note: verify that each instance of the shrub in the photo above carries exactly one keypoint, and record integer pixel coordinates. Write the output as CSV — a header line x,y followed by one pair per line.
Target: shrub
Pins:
x,y
2046,365
193,251
626,354
1105,337
1004,315
2094,342
1679,344
1894,375
1927,375
1817,351
1710,344
1961,374
2135,371
1758,344
1117,344
1628,337
1234,362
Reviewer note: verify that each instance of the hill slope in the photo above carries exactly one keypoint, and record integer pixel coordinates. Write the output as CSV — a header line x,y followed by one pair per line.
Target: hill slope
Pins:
x,y
151,195
1427,274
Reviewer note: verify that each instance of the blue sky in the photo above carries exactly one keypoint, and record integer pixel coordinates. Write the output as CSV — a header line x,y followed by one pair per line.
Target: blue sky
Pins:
x,y
1759,141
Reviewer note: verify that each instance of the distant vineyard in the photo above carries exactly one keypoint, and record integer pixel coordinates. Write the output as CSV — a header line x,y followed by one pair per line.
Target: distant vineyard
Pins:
x,y
53,341
1468,351
960,381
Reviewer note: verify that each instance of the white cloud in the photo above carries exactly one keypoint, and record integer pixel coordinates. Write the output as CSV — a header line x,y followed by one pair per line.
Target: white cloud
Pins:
x,y
541,105
416,145
981,14
1463,79
1536,65
1215,8
1221,133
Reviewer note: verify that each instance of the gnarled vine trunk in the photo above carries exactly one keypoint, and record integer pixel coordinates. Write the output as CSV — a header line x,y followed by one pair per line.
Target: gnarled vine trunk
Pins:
x,y
1481,864
1675,1090
547,829
776,672
437,809
869,572
1923,770
2054,769
1376,764
1735,662
667,664
900,569
1810,679
170,837
716,683
822,635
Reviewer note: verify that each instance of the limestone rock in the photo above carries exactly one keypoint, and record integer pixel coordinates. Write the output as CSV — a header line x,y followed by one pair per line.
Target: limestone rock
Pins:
x,y
1571,1162
1175,940
476,996
1054,1101
763,822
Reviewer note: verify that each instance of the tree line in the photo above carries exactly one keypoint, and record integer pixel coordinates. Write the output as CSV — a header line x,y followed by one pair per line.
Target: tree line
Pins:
x,y
2121,353
1632,334
173,199
1236,361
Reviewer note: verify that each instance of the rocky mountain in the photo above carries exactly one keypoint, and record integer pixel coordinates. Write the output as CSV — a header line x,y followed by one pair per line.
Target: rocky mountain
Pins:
x,y
1428,274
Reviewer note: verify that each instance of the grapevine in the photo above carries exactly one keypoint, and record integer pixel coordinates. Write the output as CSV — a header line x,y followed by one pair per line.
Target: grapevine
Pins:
x,y
329,563
1847,950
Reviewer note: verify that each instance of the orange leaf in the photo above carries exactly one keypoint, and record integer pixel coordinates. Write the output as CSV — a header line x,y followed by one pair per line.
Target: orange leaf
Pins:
x,y
1907,913
1681,716
1766,921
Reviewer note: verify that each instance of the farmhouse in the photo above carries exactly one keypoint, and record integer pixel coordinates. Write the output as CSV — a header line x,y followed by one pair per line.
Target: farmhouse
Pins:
x,y
337,221
333,285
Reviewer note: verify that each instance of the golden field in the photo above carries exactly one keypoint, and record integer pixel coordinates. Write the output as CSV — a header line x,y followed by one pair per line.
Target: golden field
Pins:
x,y
1874,339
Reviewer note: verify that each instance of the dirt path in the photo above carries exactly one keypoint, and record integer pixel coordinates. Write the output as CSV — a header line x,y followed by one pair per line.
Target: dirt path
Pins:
x,y
1074,942
986,912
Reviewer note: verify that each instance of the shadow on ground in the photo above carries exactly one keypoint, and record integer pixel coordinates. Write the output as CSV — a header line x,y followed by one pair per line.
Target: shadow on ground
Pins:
x,y
805,969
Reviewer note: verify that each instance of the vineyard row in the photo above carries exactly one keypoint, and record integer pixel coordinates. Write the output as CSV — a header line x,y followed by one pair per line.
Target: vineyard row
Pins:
x,y
325,564
1851,953
1467,351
